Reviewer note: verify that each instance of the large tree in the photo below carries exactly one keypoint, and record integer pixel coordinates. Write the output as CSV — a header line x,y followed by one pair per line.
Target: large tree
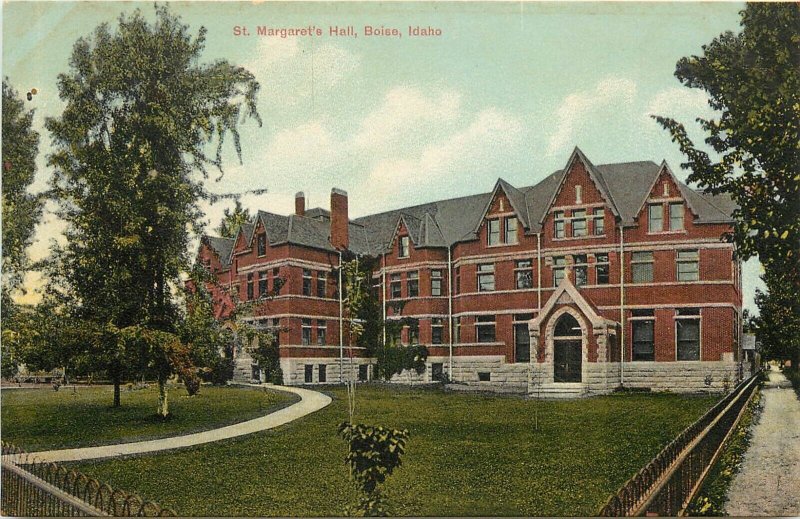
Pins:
x,y
752,80
143,123
21,209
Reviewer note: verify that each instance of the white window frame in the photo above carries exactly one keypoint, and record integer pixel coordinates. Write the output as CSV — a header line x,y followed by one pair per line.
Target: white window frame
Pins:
x,y
559,225
650,219
635,262
699,318
687,261
599,215
681,217
436,277
579,215
486,269
493,231
510,236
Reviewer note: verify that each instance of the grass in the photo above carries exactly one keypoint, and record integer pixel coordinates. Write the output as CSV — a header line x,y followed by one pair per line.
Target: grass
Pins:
x,y
38,419
468,455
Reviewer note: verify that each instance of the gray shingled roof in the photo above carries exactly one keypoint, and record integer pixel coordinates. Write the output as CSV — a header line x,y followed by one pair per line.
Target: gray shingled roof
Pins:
x,y
221,246
445,222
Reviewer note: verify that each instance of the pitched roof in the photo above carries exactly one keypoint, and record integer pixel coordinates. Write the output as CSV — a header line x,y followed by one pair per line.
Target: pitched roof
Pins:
x,y
445,222
221,246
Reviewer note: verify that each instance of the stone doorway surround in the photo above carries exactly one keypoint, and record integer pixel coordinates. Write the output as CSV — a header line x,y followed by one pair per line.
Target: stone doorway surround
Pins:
x,y
568,300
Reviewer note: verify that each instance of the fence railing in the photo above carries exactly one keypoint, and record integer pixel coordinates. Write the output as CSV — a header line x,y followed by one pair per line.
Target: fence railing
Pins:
x,y
35,488
669,482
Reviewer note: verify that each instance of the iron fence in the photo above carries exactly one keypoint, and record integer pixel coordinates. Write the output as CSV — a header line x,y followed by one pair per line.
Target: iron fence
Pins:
x,y
669,482
36,488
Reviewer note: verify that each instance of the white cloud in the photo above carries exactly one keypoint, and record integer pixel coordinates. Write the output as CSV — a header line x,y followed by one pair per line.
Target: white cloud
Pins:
x,y
575,110
406,111
677,102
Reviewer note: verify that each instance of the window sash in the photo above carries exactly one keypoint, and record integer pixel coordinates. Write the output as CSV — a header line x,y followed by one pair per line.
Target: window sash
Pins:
x,y
412,283
558,224
676,217
436,286
643,340
493,232
688,339
511,230
642,272
485,281
403,247
599,222
655,218
262,244
306,282
485,331
579,223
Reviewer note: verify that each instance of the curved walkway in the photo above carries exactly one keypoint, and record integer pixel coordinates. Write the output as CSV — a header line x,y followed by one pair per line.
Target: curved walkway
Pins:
x,y
310,401
768,482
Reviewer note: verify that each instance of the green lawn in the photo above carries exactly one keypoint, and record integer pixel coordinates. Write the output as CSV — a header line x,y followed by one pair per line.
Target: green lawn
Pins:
x,y
468,455
38,419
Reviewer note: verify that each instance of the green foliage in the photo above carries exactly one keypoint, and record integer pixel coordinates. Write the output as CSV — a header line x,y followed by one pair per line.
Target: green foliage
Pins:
x,y
140,112
793,375
710,500
777,326
753,81
21,210
395,359
232,220
374,452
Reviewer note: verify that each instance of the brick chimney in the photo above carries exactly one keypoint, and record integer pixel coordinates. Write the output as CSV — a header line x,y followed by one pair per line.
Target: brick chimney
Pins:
x,y
300,204
340,237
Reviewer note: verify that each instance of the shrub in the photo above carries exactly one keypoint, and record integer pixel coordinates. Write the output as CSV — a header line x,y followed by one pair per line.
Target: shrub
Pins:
x,y
374,452
221,371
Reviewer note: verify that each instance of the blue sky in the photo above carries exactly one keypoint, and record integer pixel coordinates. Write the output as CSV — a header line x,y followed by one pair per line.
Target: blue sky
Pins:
x,y
507,90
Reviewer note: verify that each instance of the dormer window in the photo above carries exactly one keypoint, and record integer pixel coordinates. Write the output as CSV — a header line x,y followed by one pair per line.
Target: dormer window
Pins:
x,y
558,224
655,218
493,227
676,216
511,230
599,221
262,244
579,223
403,245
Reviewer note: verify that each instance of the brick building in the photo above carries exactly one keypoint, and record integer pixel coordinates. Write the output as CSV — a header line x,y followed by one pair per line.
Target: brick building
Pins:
x,y
595,277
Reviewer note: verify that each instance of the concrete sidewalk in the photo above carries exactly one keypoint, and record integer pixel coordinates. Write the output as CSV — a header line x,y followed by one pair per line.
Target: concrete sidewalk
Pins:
x,y
768,482
310,401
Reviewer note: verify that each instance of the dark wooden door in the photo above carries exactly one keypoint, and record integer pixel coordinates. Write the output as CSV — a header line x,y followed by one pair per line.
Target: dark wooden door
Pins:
x,y
567,361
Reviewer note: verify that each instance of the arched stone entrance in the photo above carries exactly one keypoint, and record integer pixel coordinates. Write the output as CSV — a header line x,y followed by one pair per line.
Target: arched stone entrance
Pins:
x,y
568,347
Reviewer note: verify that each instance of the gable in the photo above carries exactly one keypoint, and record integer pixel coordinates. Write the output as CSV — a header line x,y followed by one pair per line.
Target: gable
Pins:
x,y
577,188
665,189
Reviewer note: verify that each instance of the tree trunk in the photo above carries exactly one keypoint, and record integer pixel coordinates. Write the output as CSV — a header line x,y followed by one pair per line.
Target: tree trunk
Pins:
x,y
163,400
116,381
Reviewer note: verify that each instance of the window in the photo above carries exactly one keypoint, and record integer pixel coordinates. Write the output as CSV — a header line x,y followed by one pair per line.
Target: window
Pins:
x,y
412,283
413,332
321,329
458,280
484,328
437,329
363,372
655,218
523,272
322,281
308,374
262,283
581,269
403,252
579,223
486,277
599,217
687,334
436,282
323,373
394,286
306,282
275,330
558,224
250,286
493,231
559,263
688,263
484,376
676,216
601,266
306,332
262,244
437,371
643,326
511,230
456,330
642,267
522,338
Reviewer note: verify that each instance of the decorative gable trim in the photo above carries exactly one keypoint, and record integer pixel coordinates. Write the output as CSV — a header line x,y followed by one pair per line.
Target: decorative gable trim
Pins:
x,y
577,154
506,187
661,170
566,293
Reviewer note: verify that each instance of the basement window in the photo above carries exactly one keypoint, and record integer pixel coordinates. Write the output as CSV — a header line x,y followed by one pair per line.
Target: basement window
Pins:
x,y
484,376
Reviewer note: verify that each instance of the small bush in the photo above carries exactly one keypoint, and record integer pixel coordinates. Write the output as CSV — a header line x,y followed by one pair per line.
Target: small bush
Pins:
x,y
275,376
221,371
